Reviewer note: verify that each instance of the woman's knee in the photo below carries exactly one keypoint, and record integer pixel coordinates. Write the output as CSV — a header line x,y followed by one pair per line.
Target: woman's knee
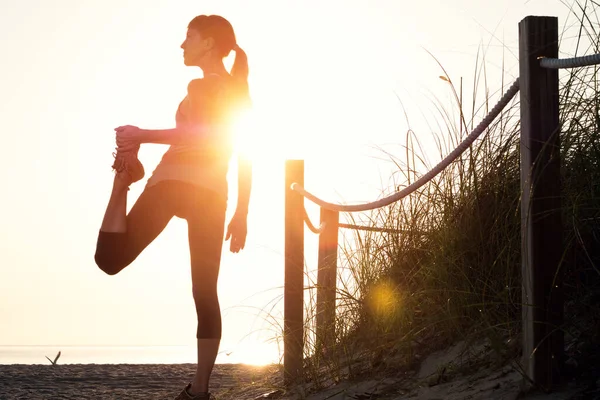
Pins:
x,y
208,312
112,251
108,264
205,297
207,304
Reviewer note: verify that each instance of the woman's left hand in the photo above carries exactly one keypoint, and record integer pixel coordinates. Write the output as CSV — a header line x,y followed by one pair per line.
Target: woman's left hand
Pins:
x,y
128,137
237,231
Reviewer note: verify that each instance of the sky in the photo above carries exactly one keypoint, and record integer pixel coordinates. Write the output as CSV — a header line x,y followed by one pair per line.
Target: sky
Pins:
x,y
331,82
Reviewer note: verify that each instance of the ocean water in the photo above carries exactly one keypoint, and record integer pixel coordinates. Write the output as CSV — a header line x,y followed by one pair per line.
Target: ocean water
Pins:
x,y
103,355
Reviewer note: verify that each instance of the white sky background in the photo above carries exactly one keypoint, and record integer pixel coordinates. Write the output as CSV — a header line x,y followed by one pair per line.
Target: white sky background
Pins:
x,y
325,76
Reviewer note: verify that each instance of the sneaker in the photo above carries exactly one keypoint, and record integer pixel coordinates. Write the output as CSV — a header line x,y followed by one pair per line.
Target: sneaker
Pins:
x,y
128,162
185,395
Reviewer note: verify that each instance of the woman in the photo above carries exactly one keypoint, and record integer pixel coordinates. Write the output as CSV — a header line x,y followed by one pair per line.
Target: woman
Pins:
x,y
189,182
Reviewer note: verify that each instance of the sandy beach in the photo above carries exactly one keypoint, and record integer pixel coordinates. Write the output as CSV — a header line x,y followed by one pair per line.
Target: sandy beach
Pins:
x,y
243,382
129,381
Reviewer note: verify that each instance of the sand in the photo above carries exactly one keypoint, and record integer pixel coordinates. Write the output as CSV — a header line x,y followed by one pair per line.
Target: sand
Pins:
x,y
129,382
243,382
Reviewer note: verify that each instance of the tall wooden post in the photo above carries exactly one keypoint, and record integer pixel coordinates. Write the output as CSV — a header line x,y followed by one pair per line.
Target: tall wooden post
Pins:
x,y
326,280
541,228
293,343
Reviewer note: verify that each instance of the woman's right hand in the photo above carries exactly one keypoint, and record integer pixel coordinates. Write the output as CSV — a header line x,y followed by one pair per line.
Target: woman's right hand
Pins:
x,y
128,137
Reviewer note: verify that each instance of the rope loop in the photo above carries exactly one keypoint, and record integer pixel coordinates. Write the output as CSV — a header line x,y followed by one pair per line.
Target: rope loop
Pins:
x,y
310,225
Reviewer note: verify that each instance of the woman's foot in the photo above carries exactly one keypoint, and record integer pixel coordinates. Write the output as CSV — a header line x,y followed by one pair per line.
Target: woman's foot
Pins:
x,y
128,163
188,394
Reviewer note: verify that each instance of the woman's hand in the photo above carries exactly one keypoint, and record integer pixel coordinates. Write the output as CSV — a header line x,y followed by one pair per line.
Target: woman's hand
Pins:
x,y
237,231
129,137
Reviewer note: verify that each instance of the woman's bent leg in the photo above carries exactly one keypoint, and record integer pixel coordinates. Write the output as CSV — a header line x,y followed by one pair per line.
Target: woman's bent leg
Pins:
x,y
122,237
115,216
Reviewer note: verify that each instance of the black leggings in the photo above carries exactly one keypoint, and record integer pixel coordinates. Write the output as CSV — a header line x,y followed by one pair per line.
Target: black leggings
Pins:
x,y
204,212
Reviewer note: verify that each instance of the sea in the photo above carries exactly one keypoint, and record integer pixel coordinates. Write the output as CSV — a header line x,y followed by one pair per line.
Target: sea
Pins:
x,y
104,355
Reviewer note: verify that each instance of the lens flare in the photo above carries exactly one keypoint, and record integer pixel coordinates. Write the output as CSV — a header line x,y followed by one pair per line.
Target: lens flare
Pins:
x,y
384,300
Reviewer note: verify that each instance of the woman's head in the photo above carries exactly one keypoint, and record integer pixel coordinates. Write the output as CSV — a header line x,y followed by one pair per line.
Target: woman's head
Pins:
x,y
209,39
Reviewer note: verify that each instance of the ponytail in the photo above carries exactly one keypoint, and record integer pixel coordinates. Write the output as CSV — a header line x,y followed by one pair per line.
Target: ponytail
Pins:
x,y
239,72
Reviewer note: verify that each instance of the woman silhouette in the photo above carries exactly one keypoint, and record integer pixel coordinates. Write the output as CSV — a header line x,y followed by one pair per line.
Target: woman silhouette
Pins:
x,y
189,182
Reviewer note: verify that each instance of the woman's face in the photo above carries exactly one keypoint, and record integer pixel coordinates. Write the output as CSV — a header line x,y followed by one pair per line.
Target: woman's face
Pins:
x,y
195,47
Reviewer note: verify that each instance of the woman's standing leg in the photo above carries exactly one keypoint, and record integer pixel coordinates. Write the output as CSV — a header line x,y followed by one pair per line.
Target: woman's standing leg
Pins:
x,y
206,227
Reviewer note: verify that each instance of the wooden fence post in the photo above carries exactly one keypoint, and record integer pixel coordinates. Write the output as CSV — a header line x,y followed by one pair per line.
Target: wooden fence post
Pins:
x,y
293,342
326,280
541,227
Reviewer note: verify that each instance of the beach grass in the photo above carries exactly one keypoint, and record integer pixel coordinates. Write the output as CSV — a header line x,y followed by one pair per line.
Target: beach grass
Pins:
x,y
453,271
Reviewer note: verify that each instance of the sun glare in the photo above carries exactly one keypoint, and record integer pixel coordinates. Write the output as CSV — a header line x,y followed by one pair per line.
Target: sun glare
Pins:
x,y
257,354
253,139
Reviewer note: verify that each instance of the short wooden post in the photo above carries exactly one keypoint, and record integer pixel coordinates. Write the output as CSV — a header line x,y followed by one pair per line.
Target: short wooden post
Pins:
x,y
293,343
541,232
326,280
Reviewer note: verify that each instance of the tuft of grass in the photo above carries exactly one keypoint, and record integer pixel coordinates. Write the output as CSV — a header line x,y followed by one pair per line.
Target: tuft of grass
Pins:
x,y
55,361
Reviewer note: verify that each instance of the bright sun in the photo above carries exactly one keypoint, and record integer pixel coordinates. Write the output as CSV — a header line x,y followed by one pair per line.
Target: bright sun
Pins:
x,y
250,140
261,136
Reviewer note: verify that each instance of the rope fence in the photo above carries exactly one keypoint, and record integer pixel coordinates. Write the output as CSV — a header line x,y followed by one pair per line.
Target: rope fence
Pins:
x,y
576,62
551,63
506,98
